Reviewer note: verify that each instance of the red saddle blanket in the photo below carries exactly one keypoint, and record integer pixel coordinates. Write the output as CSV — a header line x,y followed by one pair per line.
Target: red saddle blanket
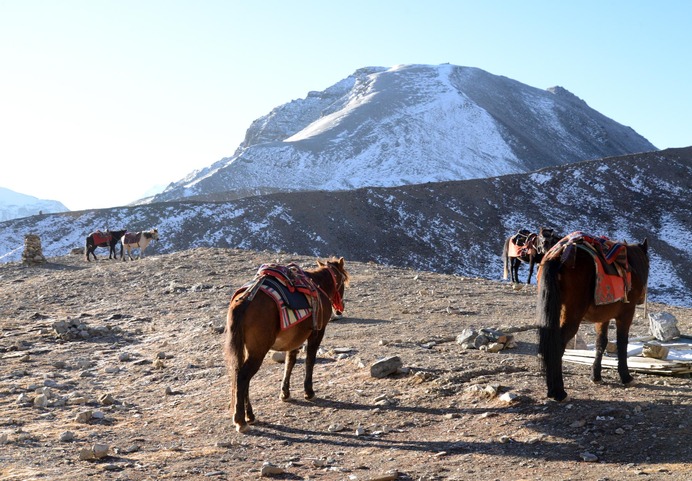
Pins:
x,y
101,237
613,276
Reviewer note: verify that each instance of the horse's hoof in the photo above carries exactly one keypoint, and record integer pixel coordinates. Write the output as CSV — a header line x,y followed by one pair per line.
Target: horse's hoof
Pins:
x,y
630,383
242,428
285,396
309,395
559,397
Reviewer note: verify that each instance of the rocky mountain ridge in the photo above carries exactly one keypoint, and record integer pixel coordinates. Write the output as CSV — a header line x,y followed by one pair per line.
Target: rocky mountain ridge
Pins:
x,y
448,227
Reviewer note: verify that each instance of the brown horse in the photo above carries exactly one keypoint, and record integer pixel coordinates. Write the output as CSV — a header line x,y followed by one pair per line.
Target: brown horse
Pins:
x,y
528,247
253,328
566,297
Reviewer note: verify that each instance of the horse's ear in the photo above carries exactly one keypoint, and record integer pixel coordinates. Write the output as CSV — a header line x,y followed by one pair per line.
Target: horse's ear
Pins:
x,y
645,245
341,262
319,263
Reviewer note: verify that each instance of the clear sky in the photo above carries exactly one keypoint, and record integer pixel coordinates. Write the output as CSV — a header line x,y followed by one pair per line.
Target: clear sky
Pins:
x,y
102,100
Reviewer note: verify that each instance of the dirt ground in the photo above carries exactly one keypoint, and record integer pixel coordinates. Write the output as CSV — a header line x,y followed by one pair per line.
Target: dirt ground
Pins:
x,y
145,385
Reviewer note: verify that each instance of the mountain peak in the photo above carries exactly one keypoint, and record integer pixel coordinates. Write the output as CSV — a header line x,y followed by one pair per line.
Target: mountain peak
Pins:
x,y
410,124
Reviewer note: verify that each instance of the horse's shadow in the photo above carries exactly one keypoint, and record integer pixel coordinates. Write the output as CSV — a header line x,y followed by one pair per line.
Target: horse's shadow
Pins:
x,y
359,321
554,438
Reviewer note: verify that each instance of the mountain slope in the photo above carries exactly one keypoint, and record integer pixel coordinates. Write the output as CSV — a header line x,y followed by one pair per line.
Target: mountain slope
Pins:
x,y
409,125
14,205
449,227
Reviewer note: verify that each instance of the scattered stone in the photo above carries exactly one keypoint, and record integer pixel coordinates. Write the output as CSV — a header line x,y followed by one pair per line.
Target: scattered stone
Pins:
x,y
385,367
83,416
4,438
66,437
508,397
97,451
269,469
278,356
24,399
663,326
124,357
107,400
360,431
655,351
388,476
589,457
466,336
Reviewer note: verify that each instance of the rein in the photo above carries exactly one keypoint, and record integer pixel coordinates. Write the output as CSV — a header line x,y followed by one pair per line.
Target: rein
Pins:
x,y
336,300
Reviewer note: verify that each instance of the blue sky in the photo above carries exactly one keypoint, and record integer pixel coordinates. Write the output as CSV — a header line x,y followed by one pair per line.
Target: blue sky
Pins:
x,y
102,100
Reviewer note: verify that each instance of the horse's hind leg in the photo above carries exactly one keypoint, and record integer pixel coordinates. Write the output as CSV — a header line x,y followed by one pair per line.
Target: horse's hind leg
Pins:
x,y
623,331
242,412
288,369
601,344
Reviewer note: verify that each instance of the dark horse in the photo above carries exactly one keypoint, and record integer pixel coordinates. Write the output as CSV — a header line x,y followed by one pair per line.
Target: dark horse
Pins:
x,y
528,247
566,297
253,328
104,239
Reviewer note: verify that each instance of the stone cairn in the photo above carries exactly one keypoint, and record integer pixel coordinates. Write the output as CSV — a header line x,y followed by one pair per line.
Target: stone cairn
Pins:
x,y
33,252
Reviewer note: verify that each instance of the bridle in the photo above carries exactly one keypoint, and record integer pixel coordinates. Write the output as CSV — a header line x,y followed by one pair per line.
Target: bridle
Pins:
x,y
336,300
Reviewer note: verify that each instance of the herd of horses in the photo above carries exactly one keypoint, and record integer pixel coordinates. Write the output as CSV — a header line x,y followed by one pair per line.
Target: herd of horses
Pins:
x,y
128,242
565,299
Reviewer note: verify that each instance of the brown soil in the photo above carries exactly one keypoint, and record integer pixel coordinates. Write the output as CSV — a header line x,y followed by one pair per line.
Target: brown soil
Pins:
x,y
161,361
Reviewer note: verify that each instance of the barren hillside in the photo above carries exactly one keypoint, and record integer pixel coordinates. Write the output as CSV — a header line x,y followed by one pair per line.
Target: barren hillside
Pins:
x,y
147,381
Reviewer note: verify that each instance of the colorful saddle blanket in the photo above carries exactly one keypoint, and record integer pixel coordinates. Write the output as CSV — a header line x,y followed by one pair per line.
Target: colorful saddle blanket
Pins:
x,y
132,237
293,291
613,276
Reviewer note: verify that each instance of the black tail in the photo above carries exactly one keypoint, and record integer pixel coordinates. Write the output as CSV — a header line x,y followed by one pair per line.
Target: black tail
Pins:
x,y
548,314
505,258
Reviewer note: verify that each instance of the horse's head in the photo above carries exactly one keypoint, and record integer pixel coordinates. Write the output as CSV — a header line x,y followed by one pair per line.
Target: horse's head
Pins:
x,y
546,239
340,277
154,234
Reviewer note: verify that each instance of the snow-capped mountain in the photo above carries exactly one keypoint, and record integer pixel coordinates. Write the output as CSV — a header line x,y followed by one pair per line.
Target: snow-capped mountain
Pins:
x,y
410,124
14,205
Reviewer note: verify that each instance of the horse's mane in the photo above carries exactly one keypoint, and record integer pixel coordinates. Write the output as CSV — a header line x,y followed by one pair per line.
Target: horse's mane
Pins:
x,y
638,261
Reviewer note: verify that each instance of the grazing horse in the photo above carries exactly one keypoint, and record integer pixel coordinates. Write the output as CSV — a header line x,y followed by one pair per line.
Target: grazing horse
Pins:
x,y
528,247
134,240
254,326
521,247
572,288
104,239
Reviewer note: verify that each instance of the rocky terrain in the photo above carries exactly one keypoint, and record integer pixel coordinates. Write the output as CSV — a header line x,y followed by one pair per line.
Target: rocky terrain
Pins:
x,y
114,370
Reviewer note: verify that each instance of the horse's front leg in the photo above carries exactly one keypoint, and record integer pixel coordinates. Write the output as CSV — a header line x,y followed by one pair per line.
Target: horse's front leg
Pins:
x,y
623,331
288,369
531,263
601,344
314,342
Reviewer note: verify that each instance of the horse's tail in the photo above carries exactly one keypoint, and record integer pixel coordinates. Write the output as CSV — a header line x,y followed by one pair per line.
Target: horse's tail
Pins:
x,y
548,314
505,258
234,345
